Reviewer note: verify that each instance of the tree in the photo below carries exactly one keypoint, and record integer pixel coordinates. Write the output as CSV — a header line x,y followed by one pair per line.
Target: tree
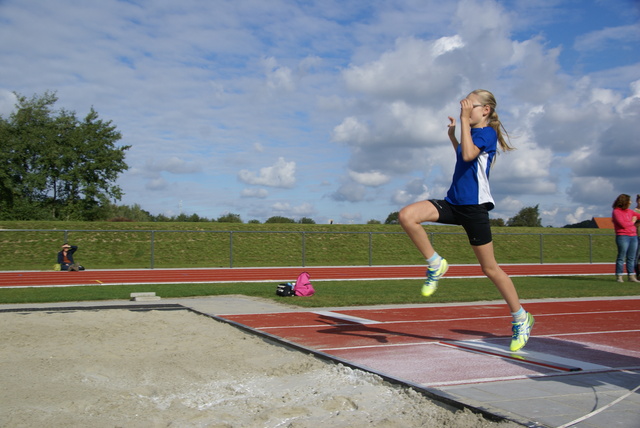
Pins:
x,y
496,222
279,219
306,220
54,165
128,213
527,217
392,218
586,224
229,218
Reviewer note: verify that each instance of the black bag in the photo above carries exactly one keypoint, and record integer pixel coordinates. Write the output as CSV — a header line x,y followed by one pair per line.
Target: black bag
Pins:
x,y
285,290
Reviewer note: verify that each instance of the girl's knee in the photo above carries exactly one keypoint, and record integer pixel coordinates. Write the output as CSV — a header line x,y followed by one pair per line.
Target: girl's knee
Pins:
x,y
417,213
404,216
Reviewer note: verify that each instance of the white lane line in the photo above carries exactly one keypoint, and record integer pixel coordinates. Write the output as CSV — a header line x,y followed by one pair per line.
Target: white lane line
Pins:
x,y
346,317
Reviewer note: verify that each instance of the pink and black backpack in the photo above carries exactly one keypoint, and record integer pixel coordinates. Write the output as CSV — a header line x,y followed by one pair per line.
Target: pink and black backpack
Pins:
x,y
303,286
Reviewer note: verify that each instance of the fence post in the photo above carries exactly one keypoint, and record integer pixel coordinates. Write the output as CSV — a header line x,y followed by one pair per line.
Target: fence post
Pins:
x,y
370,249
304,249
153,232
230,249
590,248
541,248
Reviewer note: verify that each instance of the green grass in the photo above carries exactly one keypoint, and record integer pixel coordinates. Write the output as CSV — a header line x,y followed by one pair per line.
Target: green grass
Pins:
x,y
105,245
342,293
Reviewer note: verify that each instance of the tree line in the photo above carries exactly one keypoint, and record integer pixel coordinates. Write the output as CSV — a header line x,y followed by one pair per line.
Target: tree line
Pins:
x,y
135,213
526,217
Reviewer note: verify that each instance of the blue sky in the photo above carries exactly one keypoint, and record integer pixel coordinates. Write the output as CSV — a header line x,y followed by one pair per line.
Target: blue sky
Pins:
x,y
337,109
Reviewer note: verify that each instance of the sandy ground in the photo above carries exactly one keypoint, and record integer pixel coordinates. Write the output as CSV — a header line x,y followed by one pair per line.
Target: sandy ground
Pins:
x,y
122,368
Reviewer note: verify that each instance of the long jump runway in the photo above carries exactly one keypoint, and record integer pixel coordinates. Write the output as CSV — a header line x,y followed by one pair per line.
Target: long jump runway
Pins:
x,y
582,356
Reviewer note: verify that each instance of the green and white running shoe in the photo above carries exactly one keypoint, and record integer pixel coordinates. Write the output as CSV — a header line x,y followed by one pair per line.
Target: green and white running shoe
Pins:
x,y
521,332
433,276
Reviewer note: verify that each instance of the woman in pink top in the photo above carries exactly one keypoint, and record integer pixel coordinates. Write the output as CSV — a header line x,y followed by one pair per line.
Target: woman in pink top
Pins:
x,y
624,222
637,210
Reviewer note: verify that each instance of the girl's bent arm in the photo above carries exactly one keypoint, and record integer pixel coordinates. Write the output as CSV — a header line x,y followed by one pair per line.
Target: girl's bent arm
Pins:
x,y
452,133
469,150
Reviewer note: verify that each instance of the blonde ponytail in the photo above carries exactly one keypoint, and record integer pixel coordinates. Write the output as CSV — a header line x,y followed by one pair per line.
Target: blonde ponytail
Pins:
x,y
493,120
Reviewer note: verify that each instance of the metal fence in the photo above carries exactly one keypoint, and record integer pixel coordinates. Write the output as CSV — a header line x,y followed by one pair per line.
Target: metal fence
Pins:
x,y
205,248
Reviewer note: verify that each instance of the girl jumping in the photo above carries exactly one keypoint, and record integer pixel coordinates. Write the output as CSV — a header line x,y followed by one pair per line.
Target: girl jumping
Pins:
x,y
468,203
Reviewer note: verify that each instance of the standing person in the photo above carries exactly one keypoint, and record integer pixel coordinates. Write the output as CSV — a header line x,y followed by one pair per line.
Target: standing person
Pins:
x,y
624,220
65,257
468,203
637,210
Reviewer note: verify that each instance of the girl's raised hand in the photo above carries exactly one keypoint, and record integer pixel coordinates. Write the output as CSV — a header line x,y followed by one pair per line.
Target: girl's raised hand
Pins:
x,y
452,125
466,107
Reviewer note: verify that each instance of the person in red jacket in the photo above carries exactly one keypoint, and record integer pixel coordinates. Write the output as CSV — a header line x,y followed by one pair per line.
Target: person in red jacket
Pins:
x,y
624,223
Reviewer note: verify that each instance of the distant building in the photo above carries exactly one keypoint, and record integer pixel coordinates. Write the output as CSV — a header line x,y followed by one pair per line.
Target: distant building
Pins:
x,y
603,222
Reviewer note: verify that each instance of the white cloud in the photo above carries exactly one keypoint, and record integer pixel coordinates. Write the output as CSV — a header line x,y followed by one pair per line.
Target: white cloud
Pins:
x,y
580,214
351,129
600,39
630,106
408,72
415,190
593,190
304,210
174,165
371,179
351,217
278,77
512,204
281,174
254,193
446,44
533,62
350,192
401,197
285,209
157,184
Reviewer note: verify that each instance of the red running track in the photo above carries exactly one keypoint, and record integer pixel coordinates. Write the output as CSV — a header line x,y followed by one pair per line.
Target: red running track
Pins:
x,y
177,276
438,346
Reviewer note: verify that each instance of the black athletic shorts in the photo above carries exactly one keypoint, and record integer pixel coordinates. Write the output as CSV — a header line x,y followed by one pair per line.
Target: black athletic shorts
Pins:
x,y
473,218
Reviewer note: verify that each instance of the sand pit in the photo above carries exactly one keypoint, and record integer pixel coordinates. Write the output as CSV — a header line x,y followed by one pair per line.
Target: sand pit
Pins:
x,y
123,368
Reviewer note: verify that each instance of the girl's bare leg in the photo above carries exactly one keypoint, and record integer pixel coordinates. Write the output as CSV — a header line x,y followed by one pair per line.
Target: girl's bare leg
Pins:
x,y
411,218
502,281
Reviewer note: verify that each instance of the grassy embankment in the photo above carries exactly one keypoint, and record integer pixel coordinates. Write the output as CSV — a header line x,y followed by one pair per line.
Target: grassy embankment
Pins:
x,y
190,245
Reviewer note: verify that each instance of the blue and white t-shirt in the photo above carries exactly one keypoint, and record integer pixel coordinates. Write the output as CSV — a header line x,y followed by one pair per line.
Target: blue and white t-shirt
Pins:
x,y
470,184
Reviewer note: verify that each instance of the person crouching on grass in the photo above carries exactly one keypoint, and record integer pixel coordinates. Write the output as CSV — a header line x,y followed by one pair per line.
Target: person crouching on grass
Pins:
x,y
468,203
65,257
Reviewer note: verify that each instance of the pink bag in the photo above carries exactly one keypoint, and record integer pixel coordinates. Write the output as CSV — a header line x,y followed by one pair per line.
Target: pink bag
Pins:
x,y
303,287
